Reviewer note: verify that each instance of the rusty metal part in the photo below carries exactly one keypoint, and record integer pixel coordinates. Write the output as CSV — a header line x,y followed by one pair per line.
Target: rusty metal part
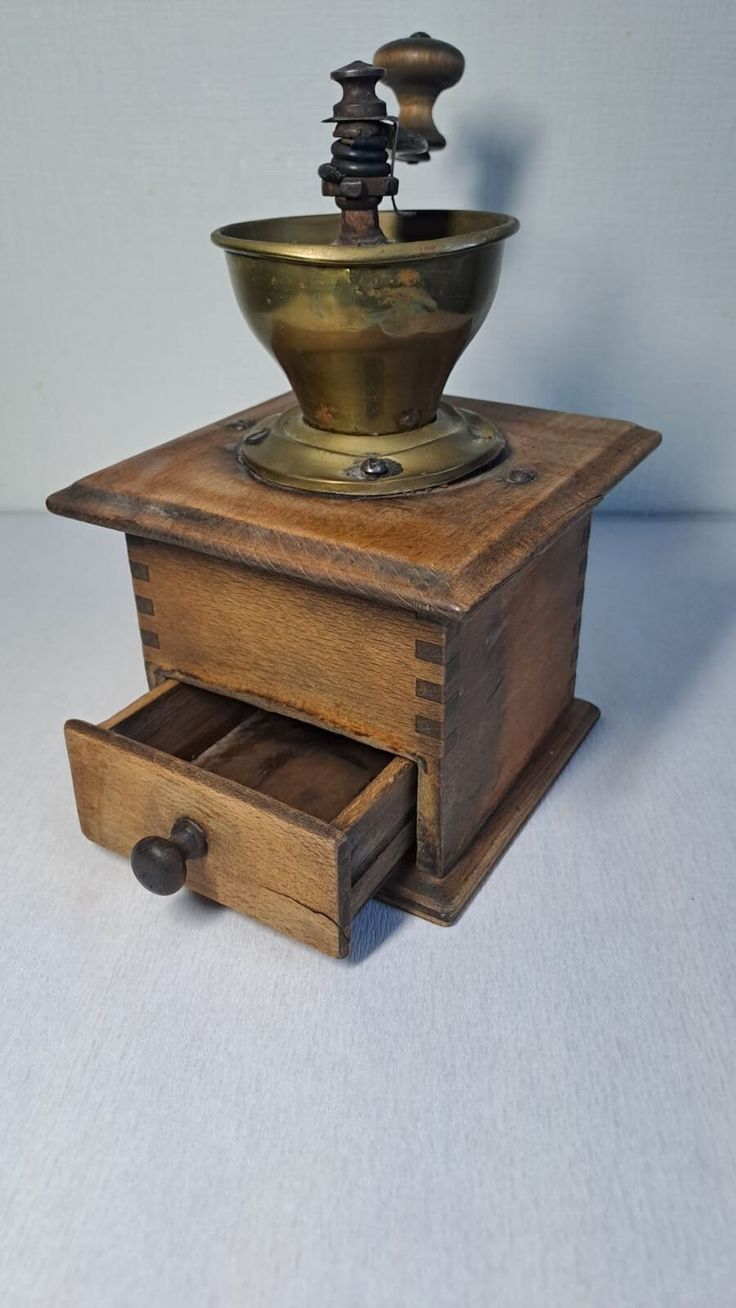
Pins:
x,y
302,457
359,174
418,68
359,226
410,146
521,476
359,101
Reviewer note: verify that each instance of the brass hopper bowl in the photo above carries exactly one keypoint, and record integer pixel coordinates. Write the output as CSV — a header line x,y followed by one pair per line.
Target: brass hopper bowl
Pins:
x,y
367,337
368,320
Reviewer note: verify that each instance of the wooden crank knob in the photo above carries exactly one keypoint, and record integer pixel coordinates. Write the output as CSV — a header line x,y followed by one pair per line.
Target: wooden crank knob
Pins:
x,y
418,68
160,862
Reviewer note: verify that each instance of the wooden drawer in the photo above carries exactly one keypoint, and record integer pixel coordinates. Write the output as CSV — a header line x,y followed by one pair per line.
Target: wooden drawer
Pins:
x,y
302,825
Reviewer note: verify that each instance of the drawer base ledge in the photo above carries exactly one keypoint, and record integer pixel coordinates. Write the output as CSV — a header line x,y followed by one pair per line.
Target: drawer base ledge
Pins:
x,y
442,899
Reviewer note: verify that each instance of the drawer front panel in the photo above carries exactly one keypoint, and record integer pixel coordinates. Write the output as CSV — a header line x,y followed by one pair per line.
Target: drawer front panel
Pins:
x,y
286,869
346,663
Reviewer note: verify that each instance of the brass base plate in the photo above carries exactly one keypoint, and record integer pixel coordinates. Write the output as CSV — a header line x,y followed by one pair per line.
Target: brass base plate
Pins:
x,y
285,450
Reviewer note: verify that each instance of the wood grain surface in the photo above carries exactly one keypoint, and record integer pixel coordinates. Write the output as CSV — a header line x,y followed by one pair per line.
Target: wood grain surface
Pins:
x,y
443,899
509,674
468,700
439,551
344,661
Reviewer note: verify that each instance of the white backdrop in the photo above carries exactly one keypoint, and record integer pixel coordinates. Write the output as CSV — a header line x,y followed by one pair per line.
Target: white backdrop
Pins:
x,y
131,128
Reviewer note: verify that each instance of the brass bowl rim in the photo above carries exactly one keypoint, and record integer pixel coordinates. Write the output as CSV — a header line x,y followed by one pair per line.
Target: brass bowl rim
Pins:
x,y
492,227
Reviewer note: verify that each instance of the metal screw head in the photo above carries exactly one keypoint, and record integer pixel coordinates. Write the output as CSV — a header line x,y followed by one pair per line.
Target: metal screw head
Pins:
x,y
520,476
374,466
408,419
239,425
255,437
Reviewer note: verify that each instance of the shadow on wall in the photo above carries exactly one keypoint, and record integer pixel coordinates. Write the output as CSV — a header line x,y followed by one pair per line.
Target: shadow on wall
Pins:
x,y
498,158
586,345
653,618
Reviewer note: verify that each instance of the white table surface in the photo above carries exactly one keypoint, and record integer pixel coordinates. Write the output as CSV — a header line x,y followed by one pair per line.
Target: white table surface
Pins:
x,y
535,1109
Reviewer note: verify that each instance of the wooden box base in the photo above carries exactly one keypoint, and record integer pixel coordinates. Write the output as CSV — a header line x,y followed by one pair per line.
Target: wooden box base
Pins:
x,y
443,899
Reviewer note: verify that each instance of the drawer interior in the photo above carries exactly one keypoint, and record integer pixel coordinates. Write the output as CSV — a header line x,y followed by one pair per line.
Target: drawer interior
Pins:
x,y
302,825
296,763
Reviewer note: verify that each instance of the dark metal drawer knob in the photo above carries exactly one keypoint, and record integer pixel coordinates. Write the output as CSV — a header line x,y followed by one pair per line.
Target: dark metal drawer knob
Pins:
x,y
160,864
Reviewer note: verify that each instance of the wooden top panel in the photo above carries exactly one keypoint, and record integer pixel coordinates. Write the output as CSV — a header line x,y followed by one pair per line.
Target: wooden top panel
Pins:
x,y
437,551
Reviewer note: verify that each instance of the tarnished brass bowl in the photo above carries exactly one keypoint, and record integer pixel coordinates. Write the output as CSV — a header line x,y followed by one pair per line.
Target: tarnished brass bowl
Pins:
x,y
367,335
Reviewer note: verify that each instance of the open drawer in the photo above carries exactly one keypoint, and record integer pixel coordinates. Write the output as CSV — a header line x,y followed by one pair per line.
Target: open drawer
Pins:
x,y
301,825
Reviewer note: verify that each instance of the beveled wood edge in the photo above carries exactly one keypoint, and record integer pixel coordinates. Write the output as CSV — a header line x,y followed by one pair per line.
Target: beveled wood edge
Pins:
x,y
530,538
442,900
361,572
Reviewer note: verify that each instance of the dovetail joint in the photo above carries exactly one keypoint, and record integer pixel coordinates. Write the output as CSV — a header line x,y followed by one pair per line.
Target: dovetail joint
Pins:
x,y
428,727
429,652
431,690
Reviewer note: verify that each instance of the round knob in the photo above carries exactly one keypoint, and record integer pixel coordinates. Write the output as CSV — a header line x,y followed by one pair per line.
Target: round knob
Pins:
x,y
160,864
418,68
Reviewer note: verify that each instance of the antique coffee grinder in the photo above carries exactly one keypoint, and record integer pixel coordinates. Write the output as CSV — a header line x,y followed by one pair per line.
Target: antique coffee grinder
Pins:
x,y
359,603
